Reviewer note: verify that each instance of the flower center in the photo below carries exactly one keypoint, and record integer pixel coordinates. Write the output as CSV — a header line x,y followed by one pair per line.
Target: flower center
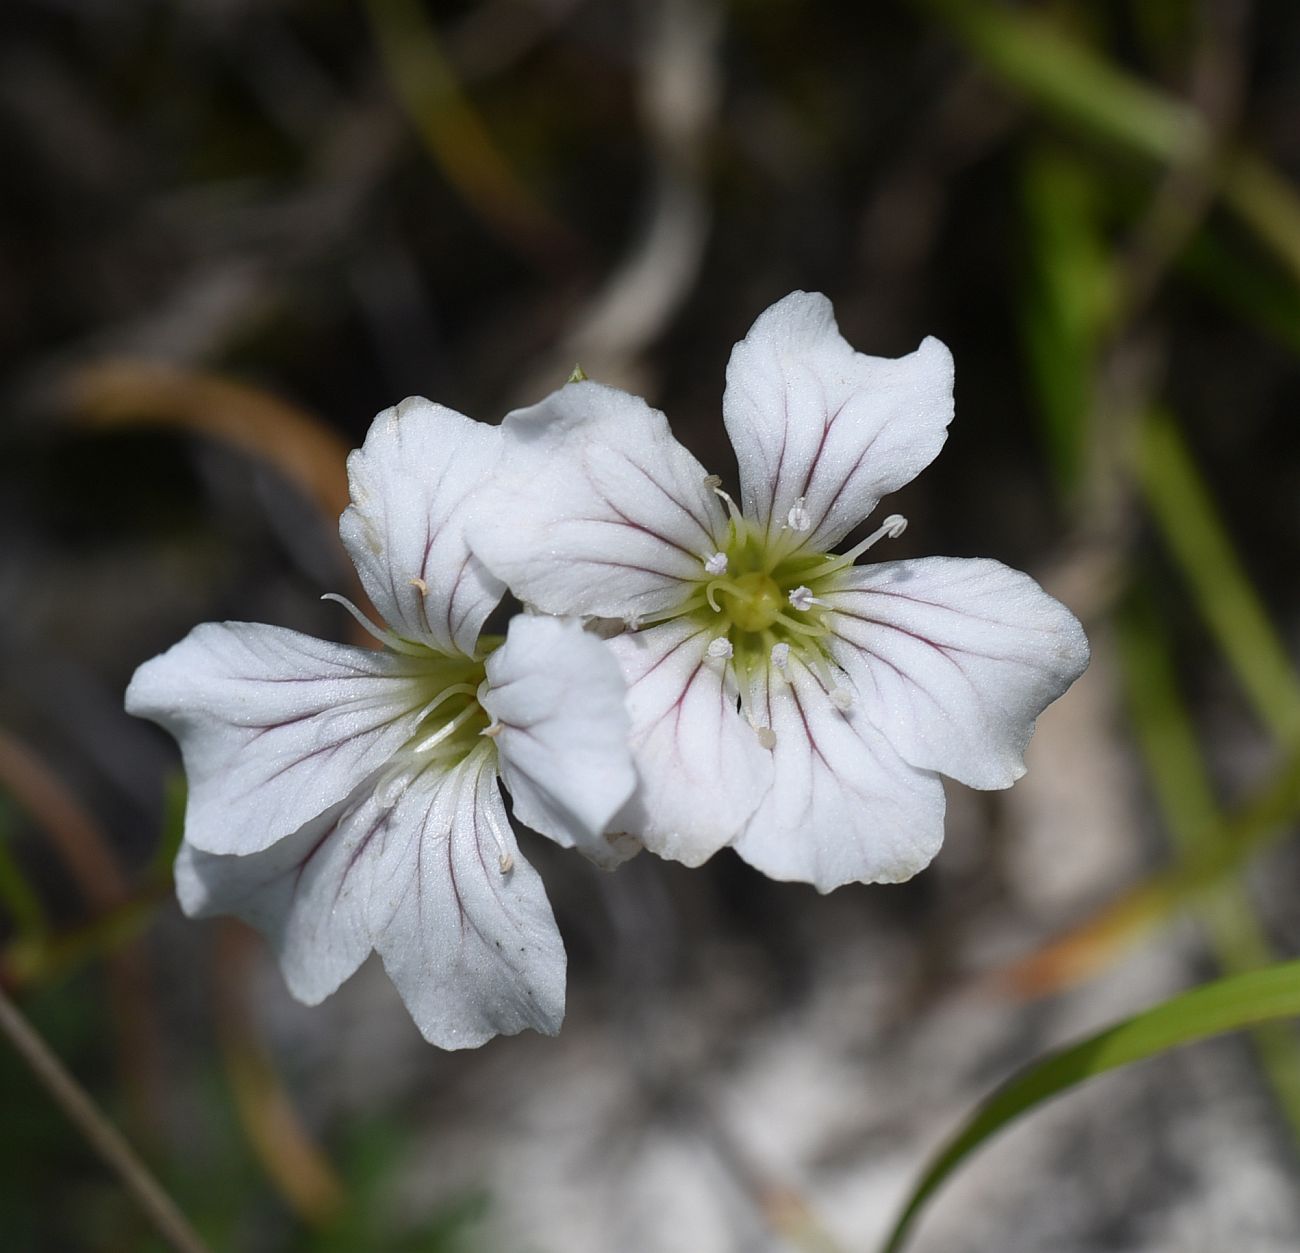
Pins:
x,y
754,601
764,605
452,721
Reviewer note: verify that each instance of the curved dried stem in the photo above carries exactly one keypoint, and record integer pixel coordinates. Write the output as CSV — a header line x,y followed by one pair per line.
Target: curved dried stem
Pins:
x,y
98,1132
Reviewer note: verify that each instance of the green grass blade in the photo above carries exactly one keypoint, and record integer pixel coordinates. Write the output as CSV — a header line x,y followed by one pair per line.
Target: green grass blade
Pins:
x,y
1261,996
1070,81
1189,524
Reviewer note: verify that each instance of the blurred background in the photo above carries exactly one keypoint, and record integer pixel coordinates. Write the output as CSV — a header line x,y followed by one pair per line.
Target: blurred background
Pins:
x,y
231,232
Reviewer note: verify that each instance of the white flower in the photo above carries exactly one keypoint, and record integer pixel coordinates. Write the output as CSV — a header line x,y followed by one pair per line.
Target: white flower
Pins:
x,y
343,800
815,741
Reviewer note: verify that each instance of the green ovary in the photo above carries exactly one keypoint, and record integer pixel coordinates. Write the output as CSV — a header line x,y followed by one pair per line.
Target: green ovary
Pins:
x,y
756,603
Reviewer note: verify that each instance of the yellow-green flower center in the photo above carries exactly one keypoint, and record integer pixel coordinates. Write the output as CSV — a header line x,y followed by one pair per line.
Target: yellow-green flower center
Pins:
x,y
755,601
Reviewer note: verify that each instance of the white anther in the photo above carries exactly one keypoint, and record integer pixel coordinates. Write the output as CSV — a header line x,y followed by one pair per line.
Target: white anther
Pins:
x,y
713,481
493,730
803,599
766,736
798,518
841,697
720,648
894,525
781,656
505,863
420,586
633,623
716,564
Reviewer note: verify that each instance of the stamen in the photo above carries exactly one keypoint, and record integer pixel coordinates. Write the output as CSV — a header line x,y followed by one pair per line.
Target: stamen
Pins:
x,y
385,637
800,628
803,599
781,656
891,528
493,730
420,586
841,698
766,736
448,730
716,564
720,649
714,483
798,518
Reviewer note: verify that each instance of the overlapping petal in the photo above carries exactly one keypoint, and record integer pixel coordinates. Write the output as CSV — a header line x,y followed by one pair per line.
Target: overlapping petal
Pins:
x,y
955,659
844,807
432,879
702,769
405,529
814,421
274,726
556,695
597,509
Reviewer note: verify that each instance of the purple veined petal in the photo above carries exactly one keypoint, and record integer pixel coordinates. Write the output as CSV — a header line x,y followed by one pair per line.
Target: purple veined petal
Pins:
x,y
307,894
597,509
405,530
954,659
843,806
274,726
822,432
557,698
432,879
460,919
701,766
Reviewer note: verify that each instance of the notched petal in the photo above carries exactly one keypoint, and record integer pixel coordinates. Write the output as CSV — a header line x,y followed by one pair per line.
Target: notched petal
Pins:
x,y
274,726
954,660
461,920
822,432
556,697
430,878
597,509
411,483
843,806
702,767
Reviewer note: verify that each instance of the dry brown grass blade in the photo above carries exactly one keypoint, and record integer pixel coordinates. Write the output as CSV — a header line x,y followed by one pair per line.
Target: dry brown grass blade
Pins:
x,y
292,1161
87,854
77,838
123,393
291,440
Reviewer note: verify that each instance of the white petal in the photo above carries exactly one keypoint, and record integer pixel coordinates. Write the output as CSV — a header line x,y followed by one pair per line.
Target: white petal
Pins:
x,y
702,769
598,509
274,726
954,659
472,947
822,432
557,695
405,529
473,951
843,806
308,894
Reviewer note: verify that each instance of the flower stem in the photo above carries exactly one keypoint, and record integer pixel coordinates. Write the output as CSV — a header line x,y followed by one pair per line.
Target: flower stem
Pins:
x,y
99,1133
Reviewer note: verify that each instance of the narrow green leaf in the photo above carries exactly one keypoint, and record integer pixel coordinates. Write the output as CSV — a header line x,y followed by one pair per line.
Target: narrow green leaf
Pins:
x,y
1260,996
1067,299
1071,81
1189,523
